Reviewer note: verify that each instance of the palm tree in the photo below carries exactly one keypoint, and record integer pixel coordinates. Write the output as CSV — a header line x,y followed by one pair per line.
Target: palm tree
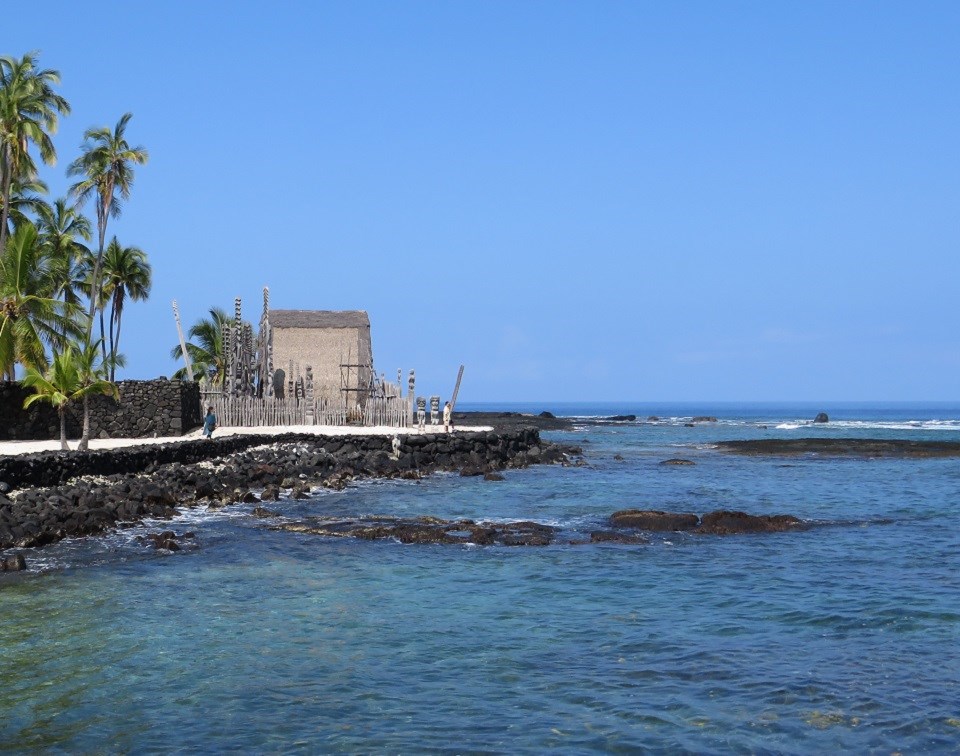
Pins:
x,y
63,383
106,167
25,200
29,316
93,376
126,275
205,347
29,109
61,229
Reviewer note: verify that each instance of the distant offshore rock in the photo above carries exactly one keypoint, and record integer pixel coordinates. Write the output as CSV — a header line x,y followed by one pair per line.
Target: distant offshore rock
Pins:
x,y
821,418
843,447
704,419
512,421
622,418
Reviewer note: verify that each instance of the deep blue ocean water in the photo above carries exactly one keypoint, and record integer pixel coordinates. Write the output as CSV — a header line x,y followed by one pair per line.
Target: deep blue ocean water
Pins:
x,y
846,636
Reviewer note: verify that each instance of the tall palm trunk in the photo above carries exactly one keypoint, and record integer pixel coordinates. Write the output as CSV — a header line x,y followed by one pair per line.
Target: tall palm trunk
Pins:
x,y
103,339
103,210
63,429
85,437
115,348
6,171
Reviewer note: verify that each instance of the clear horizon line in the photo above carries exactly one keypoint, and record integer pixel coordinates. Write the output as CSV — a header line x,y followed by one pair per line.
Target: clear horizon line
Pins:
x,y
715,401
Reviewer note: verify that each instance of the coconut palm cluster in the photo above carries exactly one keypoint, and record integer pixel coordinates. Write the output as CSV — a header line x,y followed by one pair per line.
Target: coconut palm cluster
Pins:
x,y
63,285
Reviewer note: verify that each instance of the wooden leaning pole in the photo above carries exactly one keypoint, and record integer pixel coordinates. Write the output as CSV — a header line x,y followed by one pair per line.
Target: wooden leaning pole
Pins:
x,y
183,343
456,390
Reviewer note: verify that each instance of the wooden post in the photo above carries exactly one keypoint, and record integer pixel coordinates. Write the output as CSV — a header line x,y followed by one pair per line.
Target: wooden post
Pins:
x,y
265,349
456,390
411,383
183,343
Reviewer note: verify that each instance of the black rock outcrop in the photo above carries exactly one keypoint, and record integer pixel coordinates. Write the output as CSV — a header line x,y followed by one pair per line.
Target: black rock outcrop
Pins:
x,y
721,522
654,520
729,523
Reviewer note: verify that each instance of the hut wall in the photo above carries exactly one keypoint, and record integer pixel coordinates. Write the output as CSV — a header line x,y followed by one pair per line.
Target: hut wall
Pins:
x,y
324,349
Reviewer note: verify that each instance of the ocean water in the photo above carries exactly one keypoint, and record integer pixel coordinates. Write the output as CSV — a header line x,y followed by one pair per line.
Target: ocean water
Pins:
x,y
846,636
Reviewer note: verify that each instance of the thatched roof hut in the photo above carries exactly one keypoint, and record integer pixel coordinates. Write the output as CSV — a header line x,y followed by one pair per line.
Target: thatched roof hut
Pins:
x,y
336,344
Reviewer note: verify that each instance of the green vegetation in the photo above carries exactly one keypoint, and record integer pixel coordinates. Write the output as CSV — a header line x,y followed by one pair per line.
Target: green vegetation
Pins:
x,y
53,288
106,166
29,109
205,347
72,376
126,275
29,315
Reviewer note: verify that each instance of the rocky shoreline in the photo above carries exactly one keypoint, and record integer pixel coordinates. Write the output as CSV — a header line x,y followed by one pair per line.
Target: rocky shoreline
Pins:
x,y
50,496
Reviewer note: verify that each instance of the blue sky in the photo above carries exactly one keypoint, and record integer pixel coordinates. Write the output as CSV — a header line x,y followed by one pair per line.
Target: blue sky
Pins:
x,y
577,200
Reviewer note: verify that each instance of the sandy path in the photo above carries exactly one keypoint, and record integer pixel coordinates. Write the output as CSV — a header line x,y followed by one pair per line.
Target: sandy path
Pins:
x,y
8,448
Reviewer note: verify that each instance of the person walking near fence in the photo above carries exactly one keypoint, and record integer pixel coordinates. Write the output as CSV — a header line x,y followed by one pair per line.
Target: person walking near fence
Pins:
x,y
209,424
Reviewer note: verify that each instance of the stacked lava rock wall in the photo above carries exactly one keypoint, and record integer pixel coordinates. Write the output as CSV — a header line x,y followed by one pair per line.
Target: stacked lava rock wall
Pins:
x,y
145,409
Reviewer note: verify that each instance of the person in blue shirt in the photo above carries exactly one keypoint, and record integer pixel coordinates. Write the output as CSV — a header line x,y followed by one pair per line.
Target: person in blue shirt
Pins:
x,y
209,423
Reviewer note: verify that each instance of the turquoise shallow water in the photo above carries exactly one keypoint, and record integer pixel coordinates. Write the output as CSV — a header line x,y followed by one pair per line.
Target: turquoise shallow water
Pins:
x,y
843,637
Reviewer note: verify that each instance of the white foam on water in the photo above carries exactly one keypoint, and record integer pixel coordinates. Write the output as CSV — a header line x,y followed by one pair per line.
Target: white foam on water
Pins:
x,y
550,521
201,514
897,425
784,424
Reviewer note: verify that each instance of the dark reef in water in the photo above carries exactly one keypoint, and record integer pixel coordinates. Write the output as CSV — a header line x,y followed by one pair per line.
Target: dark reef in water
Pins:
x,y
843,447
625,526
429,530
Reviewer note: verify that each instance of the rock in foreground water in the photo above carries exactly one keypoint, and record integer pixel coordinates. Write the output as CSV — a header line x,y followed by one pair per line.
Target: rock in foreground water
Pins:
x,y
721,522
645,519
730,523
13,563
429,530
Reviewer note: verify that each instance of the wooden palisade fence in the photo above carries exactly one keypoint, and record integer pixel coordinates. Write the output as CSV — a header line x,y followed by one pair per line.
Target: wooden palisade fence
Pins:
x,y
251,411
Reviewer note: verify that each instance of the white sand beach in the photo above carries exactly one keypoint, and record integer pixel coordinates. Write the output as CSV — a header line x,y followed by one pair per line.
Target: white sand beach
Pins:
x,y
8,448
